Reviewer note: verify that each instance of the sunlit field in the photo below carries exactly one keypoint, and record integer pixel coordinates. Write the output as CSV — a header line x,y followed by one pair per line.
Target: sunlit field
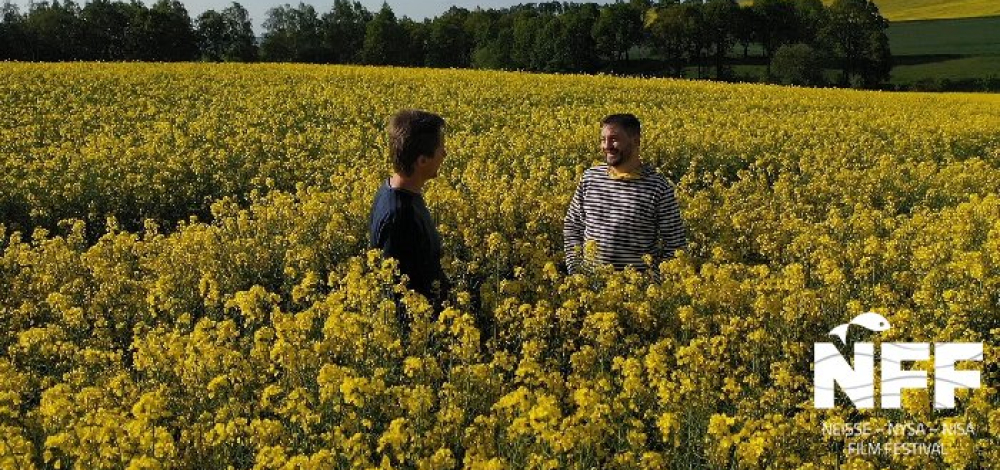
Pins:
x,y
185,281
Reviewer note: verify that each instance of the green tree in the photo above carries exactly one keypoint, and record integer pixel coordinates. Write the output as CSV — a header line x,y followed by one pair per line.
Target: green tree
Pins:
x,y
777,24
116,30
617,29
14,41
719,20
56,32
566,44
292,34
278,41
308,38
745,28
811,16
171,35
211,31
241,43
227,36
496,54
448,43
344,31
798,64
549,8
416,42
385,40
546,54
526,26
493,35
482,26
672,31
855,35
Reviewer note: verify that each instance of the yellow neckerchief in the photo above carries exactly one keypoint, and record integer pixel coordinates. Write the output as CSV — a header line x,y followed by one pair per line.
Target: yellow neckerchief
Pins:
x,y
625,176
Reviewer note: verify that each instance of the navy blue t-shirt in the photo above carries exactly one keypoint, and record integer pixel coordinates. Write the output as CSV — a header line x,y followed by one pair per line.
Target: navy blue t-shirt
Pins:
x,y
402,227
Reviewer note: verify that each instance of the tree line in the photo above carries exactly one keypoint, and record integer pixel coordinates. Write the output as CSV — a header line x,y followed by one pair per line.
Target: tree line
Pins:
x,y
794,40
118,31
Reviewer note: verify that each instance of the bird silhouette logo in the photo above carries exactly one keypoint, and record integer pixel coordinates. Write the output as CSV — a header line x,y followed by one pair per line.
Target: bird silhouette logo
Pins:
x,y
868,320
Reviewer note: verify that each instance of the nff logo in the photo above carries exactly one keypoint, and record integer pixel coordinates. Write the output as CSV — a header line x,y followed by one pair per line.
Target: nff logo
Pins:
x,y
858,382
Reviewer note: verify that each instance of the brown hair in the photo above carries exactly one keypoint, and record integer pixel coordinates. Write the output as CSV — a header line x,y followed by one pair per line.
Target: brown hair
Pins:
x,y
628,122
413,133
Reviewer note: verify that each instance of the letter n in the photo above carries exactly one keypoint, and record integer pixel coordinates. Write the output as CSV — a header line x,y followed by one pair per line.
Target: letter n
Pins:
x,y
831,368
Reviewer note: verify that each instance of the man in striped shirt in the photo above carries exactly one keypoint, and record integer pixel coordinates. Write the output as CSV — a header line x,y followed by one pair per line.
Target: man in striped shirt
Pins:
x,y
626,206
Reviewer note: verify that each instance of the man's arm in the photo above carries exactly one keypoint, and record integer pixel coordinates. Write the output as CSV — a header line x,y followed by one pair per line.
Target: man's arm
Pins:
x,y
573,229
671,226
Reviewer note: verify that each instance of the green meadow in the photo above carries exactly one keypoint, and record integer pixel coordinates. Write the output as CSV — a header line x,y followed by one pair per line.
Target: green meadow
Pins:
x,y
951,49
964,36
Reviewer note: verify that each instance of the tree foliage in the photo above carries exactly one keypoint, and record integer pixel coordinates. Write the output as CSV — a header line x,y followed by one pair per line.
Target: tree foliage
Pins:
x,y
617,30
856,35
344,31
385,39
702,38
798,64
292,34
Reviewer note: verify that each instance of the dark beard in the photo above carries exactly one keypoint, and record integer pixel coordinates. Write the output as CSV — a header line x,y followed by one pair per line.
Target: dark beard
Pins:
x,y
614,160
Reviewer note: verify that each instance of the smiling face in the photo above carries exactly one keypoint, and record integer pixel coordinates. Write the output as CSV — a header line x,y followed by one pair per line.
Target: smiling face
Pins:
x,y
617,145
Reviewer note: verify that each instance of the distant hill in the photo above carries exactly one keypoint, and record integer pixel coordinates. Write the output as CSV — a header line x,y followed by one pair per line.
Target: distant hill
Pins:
x,y
937,45
961,36
907,10
959,49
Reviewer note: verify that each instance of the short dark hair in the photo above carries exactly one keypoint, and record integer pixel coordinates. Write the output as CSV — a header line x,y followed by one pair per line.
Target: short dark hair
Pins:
x,y
413,133
628,122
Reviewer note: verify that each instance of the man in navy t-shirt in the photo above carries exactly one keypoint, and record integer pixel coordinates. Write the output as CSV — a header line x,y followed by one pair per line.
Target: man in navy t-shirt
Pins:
x,y
401,226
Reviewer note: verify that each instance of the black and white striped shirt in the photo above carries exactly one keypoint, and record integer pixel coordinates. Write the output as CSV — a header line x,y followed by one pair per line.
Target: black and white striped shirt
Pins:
x,y
626,218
